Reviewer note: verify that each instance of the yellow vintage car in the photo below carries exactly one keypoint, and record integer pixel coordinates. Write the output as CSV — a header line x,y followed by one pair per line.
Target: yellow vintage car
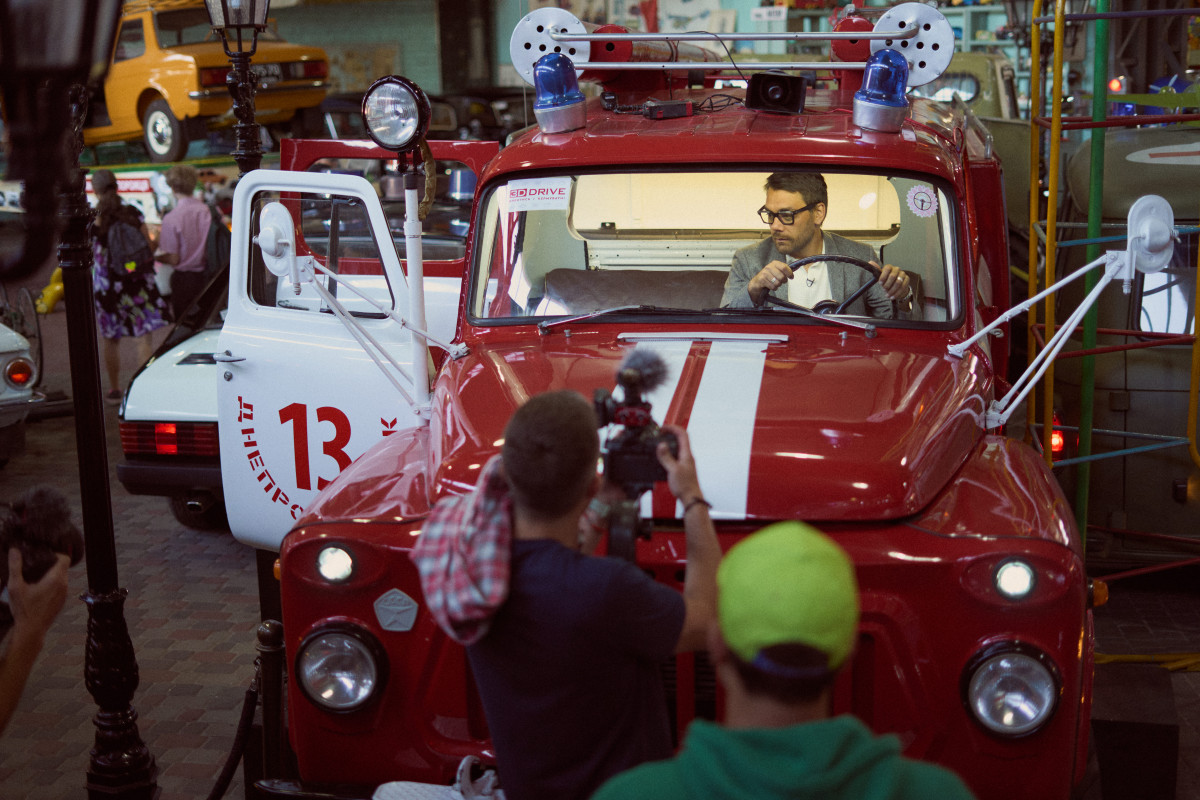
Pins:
x,y
166,84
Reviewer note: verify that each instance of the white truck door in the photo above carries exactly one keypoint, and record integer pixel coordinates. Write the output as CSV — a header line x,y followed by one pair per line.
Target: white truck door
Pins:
x,y
299,396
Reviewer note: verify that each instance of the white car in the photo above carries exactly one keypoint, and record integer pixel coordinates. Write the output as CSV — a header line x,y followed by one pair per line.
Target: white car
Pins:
x,y
169,418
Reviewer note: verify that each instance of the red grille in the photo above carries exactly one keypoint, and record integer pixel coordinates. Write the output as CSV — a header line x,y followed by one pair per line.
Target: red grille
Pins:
x,y
170,438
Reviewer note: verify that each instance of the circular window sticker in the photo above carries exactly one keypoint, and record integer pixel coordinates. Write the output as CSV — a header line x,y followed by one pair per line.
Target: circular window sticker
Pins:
x,y
922,201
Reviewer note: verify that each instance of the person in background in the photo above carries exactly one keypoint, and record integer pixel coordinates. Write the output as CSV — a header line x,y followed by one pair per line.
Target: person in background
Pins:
x,y
566,648
182,240
787,610
34,608
128,302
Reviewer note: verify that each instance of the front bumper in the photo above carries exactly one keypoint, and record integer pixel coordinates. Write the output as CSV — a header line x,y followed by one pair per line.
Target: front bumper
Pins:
x,y
465,785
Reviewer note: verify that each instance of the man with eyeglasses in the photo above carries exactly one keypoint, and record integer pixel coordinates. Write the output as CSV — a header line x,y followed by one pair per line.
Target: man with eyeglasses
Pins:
x,y
796,206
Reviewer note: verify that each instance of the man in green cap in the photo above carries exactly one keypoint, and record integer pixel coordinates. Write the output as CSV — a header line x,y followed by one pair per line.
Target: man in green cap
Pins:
x,y
787,608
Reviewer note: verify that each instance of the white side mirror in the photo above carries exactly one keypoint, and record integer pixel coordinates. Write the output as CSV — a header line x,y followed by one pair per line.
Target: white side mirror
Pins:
x,y
1151,235
277,240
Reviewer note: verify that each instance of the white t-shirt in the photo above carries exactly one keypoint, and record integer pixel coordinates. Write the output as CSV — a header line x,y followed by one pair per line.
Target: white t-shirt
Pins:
x,y
810,285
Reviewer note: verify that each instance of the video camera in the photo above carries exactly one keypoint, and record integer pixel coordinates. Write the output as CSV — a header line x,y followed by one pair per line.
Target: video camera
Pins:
x,y
39,525
630,459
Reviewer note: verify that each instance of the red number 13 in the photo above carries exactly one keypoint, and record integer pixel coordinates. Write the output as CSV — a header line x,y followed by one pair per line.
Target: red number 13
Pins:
x,y
297,414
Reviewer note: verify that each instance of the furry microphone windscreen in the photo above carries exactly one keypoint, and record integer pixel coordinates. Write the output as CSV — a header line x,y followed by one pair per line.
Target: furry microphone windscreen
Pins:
x,y
643,369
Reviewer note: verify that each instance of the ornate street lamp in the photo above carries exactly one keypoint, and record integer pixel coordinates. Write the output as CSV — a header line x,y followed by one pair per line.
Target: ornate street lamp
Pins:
x,y
238,21
46,46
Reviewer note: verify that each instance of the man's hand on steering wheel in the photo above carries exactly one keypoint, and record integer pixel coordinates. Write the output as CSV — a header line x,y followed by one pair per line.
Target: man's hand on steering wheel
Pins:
x,y
893,280
768,279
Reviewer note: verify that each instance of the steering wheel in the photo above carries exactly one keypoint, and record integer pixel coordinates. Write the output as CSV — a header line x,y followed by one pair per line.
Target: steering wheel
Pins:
x,y
829,306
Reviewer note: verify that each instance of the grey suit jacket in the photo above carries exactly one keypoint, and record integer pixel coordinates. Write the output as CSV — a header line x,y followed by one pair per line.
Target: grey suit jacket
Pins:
x,y
844,279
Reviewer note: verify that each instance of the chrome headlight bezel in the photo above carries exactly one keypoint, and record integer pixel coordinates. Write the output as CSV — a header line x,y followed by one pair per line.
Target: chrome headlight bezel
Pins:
x,y
354,642
1036,666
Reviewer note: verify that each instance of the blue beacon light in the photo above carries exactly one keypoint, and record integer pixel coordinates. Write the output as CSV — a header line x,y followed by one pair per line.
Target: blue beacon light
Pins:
x,y
881,104
559,105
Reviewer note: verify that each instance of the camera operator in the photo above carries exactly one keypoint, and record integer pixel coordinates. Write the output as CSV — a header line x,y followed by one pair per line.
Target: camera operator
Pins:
x,y
34,609
568,662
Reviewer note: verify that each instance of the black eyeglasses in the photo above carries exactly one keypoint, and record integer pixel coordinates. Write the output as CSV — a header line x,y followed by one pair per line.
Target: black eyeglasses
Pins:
x,y
786,217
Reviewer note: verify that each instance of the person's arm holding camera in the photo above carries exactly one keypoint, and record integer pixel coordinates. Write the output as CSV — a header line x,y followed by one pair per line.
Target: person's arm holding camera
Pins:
x,y
703,550
34,608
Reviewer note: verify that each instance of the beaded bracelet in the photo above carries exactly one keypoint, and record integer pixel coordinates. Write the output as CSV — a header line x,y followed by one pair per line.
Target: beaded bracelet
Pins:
x,y
695,501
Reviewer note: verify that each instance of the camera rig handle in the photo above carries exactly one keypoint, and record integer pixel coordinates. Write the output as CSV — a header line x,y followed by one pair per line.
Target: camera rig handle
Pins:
x,y
624,527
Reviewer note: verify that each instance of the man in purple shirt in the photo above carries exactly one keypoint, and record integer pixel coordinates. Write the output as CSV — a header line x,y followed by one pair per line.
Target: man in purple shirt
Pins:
x,y
181,243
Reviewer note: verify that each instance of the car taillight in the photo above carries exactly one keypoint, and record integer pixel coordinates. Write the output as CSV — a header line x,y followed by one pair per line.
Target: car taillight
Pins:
x,y
170,438
19,372
166,438
309,70
213,76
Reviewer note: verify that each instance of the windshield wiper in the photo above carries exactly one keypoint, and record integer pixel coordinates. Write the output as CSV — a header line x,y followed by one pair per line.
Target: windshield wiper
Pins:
x,y
866,327
546,325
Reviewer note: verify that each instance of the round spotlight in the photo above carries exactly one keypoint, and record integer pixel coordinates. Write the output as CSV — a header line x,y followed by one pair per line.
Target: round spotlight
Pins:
x,y
335,564
340,669
1015,579
396,113
1011,692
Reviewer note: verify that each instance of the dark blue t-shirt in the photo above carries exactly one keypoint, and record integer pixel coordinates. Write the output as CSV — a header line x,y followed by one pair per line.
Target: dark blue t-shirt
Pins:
x,y
569,671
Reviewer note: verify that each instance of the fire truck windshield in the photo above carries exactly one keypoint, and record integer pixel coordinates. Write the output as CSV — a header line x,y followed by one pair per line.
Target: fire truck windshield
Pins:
x,y
565,245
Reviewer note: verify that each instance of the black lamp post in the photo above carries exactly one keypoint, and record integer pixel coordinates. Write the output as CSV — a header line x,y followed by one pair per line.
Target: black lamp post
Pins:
x,y
121,765
238,22
46,46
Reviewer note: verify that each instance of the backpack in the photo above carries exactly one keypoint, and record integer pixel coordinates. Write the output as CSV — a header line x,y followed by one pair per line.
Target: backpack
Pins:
x,y
217,246
128,250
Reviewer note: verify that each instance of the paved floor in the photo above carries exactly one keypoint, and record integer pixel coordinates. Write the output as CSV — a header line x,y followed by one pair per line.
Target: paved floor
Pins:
x,y
192,616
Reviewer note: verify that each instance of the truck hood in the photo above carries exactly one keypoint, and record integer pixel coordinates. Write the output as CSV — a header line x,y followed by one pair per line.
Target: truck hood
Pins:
x,y
802,424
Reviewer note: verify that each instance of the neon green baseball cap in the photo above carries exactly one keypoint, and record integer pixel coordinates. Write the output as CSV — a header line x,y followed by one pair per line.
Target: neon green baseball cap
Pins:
x,y
788,584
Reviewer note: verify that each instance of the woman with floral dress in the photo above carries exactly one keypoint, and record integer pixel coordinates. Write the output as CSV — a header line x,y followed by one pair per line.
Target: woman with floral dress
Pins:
x,y
128,302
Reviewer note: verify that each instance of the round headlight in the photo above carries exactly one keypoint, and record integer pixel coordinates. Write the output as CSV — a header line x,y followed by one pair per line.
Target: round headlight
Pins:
x,y
340,670
1012,693
396,113
1015,579
335,564
19,372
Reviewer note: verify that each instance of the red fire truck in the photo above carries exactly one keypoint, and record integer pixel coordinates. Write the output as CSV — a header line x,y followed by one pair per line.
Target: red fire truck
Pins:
x,y
361,383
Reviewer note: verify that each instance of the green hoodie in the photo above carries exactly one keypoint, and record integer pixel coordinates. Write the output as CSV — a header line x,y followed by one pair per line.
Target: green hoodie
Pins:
x,y
830,759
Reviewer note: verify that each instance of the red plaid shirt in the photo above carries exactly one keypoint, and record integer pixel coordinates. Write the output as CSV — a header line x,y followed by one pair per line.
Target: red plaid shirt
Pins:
x,y
464,556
